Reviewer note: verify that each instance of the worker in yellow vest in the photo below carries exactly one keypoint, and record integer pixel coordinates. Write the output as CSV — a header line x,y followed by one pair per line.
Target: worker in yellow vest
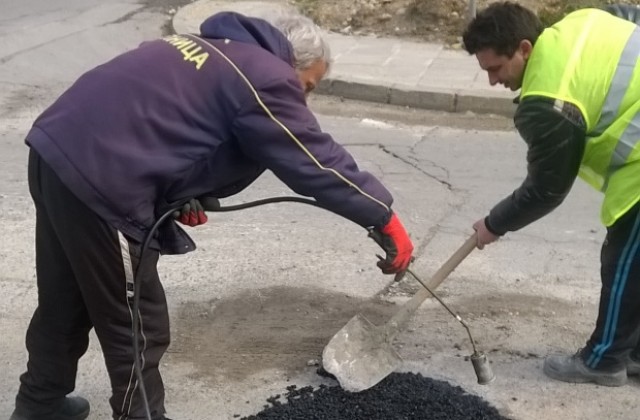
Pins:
x,y
578,112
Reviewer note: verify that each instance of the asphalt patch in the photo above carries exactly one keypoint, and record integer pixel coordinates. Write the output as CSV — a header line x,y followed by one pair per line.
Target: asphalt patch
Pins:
x,y
400,396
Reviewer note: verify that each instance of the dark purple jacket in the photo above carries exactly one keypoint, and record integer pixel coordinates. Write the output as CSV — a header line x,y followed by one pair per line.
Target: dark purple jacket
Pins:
x,y
186,116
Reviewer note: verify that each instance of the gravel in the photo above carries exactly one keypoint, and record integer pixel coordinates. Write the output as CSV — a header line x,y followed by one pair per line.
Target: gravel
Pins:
x,y
406,396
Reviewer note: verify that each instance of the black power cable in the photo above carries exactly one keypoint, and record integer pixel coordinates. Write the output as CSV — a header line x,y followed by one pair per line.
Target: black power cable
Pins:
x,y
209,204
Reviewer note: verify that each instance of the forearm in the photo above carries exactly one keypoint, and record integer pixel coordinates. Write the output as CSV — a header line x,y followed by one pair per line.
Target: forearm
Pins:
x,y
556,143
524,206
289,142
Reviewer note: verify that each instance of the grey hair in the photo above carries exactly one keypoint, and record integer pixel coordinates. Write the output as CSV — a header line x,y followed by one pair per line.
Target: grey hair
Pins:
x,y
307,39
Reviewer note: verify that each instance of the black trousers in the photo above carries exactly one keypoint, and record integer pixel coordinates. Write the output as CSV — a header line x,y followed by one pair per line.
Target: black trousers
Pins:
x,y
83,267
617,331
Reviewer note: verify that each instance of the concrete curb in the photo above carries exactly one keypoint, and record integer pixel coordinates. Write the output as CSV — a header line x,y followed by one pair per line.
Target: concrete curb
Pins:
x,y
449,100
433,99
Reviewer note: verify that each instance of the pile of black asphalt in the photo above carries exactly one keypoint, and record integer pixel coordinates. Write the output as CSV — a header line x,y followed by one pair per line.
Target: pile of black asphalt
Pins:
x,y
406,396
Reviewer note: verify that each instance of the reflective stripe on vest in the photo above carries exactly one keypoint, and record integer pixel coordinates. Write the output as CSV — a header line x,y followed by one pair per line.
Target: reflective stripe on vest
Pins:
x,y
627,143
620,82
621,79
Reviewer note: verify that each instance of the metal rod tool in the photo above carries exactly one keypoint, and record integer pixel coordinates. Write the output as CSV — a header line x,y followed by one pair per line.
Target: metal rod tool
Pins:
x,y
481,364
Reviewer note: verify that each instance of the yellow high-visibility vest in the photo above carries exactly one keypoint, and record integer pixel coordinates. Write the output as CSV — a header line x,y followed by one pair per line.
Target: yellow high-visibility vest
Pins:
x,y
590,59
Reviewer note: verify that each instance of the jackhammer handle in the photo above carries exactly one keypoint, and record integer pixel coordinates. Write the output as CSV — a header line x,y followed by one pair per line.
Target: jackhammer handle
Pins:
x,y
404,313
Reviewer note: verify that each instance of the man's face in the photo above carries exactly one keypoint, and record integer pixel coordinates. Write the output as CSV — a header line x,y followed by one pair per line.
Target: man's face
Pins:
x,y
508,71
311,76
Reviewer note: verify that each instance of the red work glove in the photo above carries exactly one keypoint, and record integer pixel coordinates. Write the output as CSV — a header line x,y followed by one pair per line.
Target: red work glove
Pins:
x,y
191,214
395,241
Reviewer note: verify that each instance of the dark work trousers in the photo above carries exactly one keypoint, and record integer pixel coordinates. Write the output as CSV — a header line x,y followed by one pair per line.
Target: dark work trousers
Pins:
x,y
83,267
617,331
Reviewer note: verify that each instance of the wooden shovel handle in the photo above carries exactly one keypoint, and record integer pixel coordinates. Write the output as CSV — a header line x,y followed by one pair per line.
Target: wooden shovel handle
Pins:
x,y
397,322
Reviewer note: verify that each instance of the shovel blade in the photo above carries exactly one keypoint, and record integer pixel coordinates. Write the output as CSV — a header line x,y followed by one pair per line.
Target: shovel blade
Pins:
x,y
359,355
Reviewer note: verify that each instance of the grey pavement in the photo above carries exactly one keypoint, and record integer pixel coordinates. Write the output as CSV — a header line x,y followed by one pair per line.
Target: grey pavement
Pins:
x,y
267,288
384,70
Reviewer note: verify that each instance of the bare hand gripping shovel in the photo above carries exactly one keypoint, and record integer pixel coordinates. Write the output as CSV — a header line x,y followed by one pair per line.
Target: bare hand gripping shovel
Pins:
x,y
361,354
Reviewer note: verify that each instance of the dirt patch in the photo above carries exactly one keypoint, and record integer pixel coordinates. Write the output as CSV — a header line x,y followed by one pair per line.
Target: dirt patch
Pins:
x,y
433,20
426,20
287,328
280,328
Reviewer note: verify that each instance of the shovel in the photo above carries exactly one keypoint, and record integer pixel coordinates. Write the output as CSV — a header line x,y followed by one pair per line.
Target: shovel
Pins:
x,y
360,355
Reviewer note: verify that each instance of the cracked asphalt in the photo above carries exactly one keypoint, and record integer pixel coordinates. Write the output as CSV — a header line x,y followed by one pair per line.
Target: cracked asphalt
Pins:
x,y
253,307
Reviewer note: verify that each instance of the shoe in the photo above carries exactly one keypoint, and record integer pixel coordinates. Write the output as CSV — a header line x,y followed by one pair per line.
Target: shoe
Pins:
x,y
73,408
572,369
633,366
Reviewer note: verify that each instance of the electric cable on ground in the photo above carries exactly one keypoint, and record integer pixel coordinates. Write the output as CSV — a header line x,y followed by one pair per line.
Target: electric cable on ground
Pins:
x,y
213,206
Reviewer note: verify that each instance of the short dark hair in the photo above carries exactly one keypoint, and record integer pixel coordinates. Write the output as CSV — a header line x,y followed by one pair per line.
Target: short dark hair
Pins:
x,y
501,27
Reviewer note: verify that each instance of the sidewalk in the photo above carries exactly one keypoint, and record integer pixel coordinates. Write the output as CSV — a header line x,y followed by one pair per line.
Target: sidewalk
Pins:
x,y
384,70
